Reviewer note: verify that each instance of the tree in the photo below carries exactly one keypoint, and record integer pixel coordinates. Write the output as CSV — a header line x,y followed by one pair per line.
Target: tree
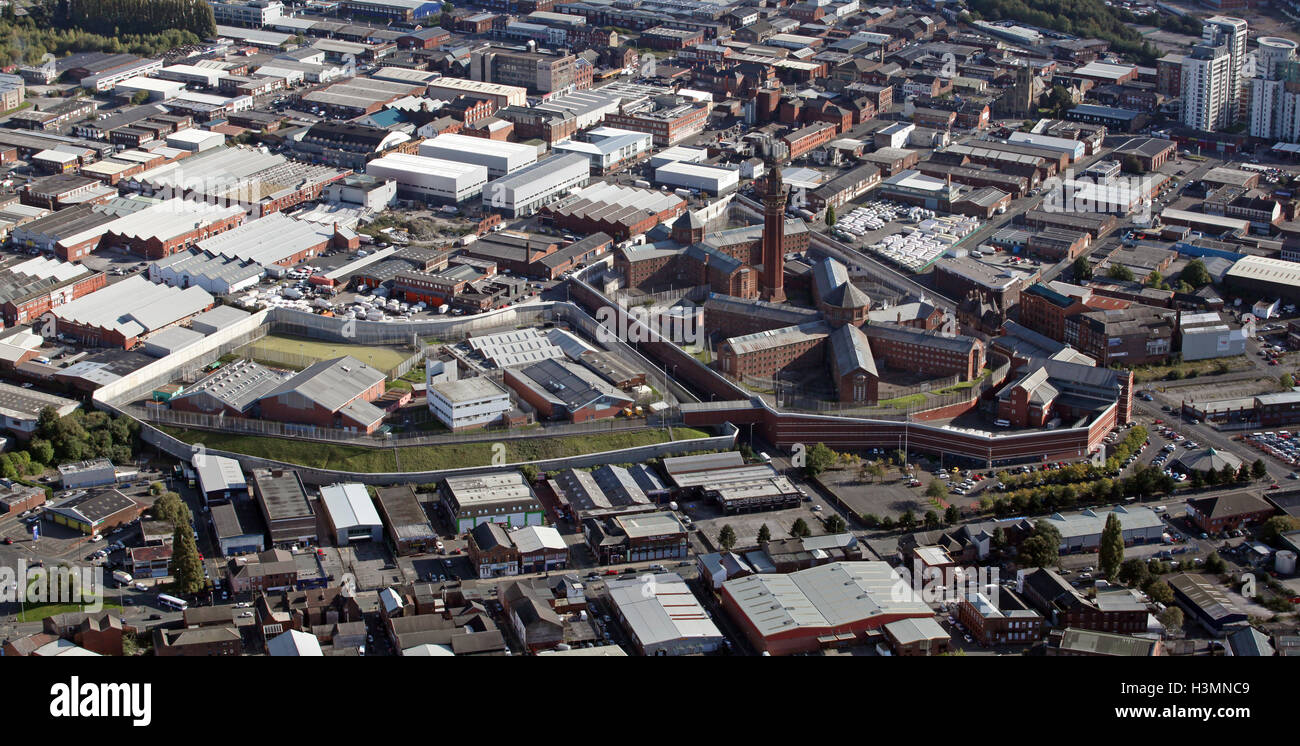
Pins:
x,y
529,472
1287,381
1160,592
1157,280
999,538
800,529
1110,555
1042,547
169,507
1059,100
1227,474
1120,272
836,524
1171,618
1131,164
830,216
1195,274
819,459
1258,470
727,538
42,451
931,519
157,488
1081,268
877,470
952,514
1215,565
936,490
764,534
907,521
1134,573
1274,527
887,523
139,98
187,568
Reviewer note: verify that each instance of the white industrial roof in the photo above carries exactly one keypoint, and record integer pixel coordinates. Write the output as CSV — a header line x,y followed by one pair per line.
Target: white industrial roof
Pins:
x,y
536,538
696,169
267,240
349,505
294,643
135,306
1262,268
518,347
170,218
427,165
46,268
218,473
826,597
661,611
478,145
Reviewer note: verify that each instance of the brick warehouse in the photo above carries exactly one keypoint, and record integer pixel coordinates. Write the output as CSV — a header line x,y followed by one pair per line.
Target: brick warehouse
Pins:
x,y
168,227
29,289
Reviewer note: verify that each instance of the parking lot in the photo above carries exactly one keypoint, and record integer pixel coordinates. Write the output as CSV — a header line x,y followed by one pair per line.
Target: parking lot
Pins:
x,y
1282,445
709,521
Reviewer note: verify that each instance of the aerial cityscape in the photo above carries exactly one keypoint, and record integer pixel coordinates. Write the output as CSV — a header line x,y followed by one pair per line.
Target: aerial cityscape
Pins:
x,y
621,328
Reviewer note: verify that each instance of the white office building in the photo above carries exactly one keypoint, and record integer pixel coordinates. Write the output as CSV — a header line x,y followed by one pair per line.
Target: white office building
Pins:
x,y
1210,335
498,157
1273,109
252,13
467,404
1231,33
710,179
431,179
351,513
609,148
1207,90
525,192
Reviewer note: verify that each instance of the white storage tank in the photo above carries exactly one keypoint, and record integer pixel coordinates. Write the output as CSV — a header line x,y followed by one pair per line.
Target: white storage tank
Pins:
x,y
1284,562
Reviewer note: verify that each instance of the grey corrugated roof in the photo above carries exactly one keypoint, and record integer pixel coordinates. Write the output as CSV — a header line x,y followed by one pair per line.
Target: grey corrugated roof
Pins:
x,y
851,350
958,343
332,384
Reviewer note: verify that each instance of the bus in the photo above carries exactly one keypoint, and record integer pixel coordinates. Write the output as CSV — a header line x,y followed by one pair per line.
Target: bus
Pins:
x,y
172,602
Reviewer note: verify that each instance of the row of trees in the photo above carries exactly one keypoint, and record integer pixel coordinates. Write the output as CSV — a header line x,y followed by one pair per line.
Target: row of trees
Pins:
x,y
727,538
1085,18
142,27
79,436
133,16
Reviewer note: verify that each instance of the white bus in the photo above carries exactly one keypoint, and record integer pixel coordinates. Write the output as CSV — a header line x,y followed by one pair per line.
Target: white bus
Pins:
x,y
172,602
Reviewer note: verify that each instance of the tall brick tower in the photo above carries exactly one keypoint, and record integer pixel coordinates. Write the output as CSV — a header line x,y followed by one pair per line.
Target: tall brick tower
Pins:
x,y
774,235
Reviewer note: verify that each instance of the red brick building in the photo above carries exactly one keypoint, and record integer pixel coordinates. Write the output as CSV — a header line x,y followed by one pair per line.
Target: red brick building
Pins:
x,y
31,295
331,393
809,138
199,642
1228,512
1000,618
661,37
170,227
928,353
